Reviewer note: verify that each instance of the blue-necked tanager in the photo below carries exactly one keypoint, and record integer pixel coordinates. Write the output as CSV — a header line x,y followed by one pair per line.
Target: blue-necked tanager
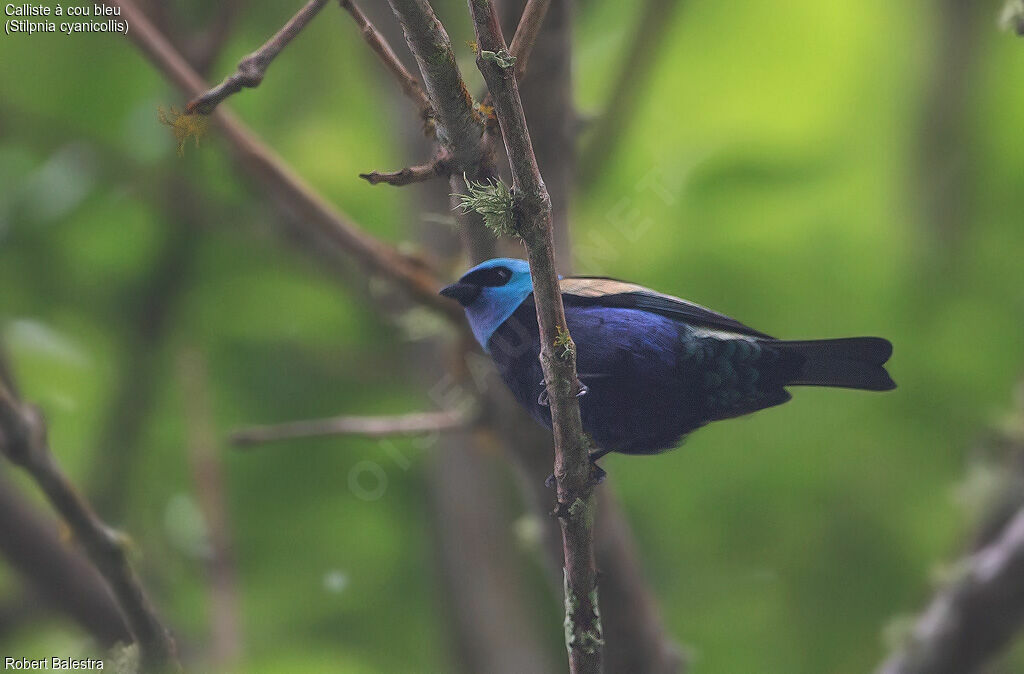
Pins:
x,y
653,367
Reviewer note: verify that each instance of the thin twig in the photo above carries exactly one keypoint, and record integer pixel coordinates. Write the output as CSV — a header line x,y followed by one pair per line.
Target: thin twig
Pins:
x,y
373,427
23,441
526,33
263,164
253,67
527,30
573,470
440,166
411,87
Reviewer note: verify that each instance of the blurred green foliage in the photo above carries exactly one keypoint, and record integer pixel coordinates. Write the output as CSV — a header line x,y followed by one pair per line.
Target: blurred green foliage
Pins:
x,y
783,144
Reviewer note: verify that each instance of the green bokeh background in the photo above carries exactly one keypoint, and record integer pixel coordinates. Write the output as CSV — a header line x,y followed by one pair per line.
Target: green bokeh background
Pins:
x,y
789,135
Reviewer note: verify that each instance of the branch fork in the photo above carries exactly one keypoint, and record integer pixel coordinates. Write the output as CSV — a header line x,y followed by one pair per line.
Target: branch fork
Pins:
x,y
23,440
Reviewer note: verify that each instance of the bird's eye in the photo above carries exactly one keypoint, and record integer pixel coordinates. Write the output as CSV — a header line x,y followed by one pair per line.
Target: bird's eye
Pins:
x,y
499,277
493,277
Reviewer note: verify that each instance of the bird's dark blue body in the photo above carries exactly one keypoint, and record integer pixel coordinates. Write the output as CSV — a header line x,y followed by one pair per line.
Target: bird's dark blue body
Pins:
x,y
655,367
650,380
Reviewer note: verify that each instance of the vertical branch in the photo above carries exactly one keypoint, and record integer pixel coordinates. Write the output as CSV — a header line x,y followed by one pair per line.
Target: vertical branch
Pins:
x,y
573,470
548,103
208,475
471,521
149,313
941,179
491,618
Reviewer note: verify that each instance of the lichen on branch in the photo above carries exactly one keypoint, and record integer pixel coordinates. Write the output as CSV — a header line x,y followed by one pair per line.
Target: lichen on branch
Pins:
x,y
492,200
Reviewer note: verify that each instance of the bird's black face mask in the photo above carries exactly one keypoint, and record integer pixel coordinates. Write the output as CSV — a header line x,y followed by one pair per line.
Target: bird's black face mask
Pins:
x,y
463,293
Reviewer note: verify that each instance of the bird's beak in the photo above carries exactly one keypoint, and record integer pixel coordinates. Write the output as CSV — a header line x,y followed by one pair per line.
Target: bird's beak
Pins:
x,y
463,293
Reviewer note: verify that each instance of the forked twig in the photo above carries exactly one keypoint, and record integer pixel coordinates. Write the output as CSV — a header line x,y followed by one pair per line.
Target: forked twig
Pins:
x,y
253,67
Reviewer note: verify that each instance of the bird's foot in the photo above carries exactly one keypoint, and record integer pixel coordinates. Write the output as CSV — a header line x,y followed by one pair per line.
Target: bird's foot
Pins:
x,y
597,474
544,401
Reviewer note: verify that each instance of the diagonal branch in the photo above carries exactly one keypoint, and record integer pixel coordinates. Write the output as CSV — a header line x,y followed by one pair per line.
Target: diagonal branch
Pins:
x,y
526,33
440,166
23,441
373,427
253,67
271,171
573,470
410,85
62,577
973,619
459,127
527,30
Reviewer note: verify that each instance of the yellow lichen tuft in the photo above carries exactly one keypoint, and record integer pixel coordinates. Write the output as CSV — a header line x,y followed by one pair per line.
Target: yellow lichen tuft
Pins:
x,y
183,125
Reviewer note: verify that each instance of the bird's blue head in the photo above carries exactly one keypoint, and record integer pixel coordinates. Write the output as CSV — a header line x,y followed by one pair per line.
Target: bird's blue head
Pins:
x,y
491,292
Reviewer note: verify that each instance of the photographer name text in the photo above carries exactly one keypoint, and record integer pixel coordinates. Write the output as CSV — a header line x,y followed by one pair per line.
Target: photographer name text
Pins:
x,y
54,663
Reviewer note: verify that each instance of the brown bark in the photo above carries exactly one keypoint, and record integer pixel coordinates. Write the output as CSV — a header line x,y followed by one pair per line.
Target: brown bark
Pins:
x,y
574,473
23,440
54,571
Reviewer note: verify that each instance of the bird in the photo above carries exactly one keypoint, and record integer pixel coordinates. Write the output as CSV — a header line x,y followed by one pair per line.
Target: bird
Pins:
x,y
652,367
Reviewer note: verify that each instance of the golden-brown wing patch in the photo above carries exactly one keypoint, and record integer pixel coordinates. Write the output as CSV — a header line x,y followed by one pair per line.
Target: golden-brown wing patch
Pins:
x,y
614,293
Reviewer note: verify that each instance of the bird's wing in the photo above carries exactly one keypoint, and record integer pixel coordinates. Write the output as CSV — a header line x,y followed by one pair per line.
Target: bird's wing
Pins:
x,y
608,292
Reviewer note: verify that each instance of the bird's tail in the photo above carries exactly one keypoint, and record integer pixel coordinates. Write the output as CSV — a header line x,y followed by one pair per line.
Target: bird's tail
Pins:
x,y
853,362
